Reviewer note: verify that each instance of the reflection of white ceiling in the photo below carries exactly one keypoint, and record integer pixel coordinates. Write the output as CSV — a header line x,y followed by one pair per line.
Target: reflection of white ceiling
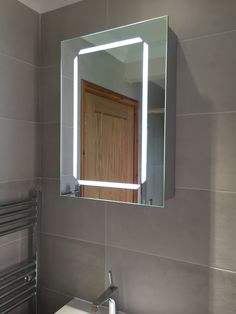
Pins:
x,y
43,6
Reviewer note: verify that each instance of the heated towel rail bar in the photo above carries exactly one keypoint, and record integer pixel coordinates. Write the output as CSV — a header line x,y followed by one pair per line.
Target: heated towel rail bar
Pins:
x,y
19,284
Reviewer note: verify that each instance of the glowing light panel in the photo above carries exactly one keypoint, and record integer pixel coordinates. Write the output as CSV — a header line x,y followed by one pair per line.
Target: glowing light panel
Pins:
x,y
105,184
144,113
116,44
75,118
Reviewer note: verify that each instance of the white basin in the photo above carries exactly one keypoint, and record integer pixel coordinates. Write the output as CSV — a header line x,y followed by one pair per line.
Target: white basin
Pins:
x,y
79,306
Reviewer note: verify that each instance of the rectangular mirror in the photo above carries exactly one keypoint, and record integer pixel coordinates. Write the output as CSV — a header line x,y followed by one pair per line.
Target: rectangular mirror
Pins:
x,y
117,114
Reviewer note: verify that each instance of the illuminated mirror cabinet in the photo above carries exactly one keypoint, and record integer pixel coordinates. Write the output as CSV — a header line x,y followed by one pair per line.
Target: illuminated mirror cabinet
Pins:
x,y
118,114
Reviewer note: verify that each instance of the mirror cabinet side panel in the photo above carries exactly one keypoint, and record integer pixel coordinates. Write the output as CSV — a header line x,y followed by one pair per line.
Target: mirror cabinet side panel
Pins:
x,y
170,115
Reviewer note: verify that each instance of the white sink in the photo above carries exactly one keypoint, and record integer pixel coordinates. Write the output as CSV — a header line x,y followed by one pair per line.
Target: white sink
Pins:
x,y
79,306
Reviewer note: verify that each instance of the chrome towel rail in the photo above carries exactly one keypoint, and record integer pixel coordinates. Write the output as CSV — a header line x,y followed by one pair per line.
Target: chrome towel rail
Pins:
x,y
17,216
19,284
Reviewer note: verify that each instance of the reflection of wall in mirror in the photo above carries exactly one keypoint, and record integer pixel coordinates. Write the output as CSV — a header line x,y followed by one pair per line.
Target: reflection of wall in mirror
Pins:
x,y
154,188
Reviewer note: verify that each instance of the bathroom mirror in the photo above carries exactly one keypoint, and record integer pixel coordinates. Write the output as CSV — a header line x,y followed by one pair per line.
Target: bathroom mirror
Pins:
x,y
118,114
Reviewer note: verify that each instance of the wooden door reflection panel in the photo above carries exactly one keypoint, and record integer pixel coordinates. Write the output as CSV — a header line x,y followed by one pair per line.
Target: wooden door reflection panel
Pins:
x,y
109,148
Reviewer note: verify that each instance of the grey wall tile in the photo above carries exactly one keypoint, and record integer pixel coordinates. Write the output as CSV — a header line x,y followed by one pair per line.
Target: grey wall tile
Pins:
x,y
20,150
51,301
72,267
196,226
25,308
51,150
19,31
206,152
13,253
19,140
18,190
151,285
9,255
9,238
18,89
50,94
223,231
188,18
206,71
78,19
222,292
76,218
179,231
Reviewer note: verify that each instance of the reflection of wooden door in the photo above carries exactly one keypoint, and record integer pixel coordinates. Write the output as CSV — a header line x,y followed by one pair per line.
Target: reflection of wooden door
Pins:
x,y
108,142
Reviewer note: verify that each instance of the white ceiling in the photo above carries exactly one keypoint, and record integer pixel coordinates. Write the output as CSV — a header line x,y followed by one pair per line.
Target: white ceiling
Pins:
x,y
42,6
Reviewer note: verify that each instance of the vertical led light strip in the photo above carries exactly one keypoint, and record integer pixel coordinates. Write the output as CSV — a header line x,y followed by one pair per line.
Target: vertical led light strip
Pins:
x,y
144,113
75,118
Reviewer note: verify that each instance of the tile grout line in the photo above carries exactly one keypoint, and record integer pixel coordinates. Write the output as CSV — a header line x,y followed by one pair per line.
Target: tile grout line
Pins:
x,y
173,259
50,66
56,235
20,120
20,180
205,113
208,35
20,60
140,252
57,292
13,241
49,122
206,190
51,178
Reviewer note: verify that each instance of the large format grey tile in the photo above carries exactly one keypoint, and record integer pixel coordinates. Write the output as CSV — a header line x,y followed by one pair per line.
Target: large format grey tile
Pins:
x,y
9,255
222,292
72,267
195,226
78,19
223,231
13,253
19,31
20,150
51,150
51,301
180,231
50,94
188,18
76,218
206,74
18,190
25,308
151,285
206,151
18,89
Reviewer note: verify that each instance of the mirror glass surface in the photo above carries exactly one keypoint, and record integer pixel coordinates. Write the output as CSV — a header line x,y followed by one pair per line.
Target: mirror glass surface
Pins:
x,y
113,114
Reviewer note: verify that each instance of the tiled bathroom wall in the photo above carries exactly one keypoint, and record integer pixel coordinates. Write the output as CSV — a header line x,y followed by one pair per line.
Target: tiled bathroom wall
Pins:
x,y
20,160
180,259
